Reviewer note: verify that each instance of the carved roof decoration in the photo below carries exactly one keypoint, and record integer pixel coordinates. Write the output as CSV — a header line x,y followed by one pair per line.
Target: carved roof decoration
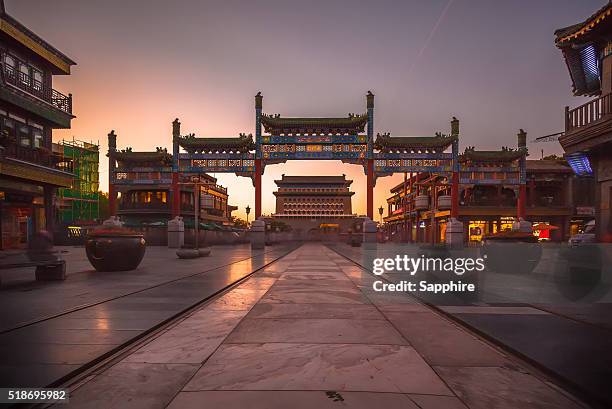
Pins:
x,y
582,46
595,22
275,124
504,155
385,142
242,143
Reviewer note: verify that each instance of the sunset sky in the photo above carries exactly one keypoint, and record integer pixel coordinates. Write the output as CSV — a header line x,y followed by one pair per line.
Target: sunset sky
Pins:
x,y
492,64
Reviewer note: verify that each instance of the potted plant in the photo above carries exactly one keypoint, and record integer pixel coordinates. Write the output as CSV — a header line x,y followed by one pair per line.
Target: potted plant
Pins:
x,y
113,247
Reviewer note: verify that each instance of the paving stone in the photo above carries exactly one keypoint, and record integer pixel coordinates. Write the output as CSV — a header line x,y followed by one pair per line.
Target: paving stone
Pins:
x,y
503,388
190,342
337,367
133,386
493,310
290,399
437,402
316,330
237,299
441,342
357,311
308,296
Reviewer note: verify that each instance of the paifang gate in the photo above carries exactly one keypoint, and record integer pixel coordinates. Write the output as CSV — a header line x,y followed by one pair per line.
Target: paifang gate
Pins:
x,y
278,139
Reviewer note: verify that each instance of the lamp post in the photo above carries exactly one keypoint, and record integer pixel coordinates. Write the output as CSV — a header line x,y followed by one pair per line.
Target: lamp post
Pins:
x,y
380,212
248,210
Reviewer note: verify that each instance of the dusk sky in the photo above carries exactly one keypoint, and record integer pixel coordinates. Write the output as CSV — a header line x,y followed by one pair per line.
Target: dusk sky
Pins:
x,y
492,64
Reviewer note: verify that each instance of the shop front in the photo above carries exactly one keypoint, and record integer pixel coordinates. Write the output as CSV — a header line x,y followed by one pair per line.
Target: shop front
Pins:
x,y
27,201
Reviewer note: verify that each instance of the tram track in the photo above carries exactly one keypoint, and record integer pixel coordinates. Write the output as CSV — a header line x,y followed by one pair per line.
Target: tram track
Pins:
x,y
545,372
74,376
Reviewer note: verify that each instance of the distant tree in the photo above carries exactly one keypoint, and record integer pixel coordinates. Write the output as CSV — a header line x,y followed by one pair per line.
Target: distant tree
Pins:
x,y
103,205
239,223
552,157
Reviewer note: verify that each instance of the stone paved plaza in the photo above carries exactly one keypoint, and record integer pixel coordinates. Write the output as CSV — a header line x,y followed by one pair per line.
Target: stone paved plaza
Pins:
x,y
307,331
50,329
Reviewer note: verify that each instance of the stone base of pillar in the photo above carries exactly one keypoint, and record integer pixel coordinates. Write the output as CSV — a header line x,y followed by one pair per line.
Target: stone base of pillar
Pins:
x,y
257,234
51,272
454,233
370,231
112,221
176,233
522,225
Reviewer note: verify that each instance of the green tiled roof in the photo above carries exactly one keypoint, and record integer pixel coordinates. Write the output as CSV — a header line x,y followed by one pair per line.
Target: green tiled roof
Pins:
x,y
135,157
354,123
386,141
503,155
243,142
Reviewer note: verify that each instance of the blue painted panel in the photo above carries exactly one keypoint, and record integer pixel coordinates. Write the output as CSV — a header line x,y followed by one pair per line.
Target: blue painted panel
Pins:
x,y
324,155
143,181
489,169
314,139
432,156
402,169
210,169
204,156
167,169
467,181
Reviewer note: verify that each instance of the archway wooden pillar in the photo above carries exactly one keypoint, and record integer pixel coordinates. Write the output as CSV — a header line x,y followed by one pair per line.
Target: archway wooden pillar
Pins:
x,y
176,191
257,188
370,189
112,191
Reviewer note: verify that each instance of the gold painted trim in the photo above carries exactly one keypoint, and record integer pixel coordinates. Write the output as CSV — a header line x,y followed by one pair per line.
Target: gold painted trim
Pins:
x,y
586,28
24,39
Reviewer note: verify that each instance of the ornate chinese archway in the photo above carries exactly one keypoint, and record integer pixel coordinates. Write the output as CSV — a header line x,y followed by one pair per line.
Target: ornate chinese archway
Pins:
x,y
278,139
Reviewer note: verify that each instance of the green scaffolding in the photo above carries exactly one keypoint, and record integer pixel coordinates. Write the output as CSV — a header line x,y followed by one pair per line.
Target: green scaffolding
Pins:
x,y
81,203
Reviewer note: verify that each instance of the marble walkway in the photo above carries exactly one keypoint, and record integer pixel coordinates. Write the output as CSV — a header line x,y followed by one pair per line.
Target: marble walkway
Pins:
x,y
308,331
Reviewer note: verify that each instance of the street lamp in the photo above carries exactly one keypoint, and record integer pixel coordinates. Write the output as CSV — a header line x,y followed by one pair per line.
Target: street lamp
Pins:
x,y
248,210
380,212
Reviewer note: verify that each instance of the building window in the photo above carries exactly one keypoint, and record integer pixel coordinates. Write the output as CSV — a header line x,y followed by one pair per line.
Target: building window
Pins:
x,y
37,84
9,65
24,74
24,136
38,138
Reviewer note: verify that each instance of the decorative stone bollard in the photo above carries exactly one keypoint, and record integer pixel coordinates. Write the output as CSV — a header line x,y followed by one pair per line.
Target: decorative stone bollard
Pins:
x,y
176,233
112,221
522,225
454,233
258,234
370,231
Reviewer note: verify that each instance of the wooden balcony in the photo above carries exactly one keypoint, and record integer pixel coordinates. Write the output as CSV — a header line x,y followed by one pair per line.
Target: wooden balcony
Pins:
x,y
37,89
588,125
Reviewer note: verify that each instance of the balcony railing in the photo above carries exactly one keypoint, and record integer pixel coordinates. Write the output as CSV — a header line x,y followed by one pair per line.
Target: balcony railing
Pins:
x,y
589,113
32,86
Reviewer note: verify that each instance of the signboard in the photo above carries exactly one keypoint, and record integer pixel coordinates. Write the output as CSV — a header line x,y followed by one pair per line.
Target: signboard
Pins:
x,y
585,211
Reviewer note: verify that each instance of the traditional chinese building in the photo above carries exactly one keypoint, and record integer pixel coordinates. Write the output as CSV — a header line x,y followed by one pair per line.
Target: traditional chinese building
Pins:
x,y
554,197
314,205
143,185
29,111
587,140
